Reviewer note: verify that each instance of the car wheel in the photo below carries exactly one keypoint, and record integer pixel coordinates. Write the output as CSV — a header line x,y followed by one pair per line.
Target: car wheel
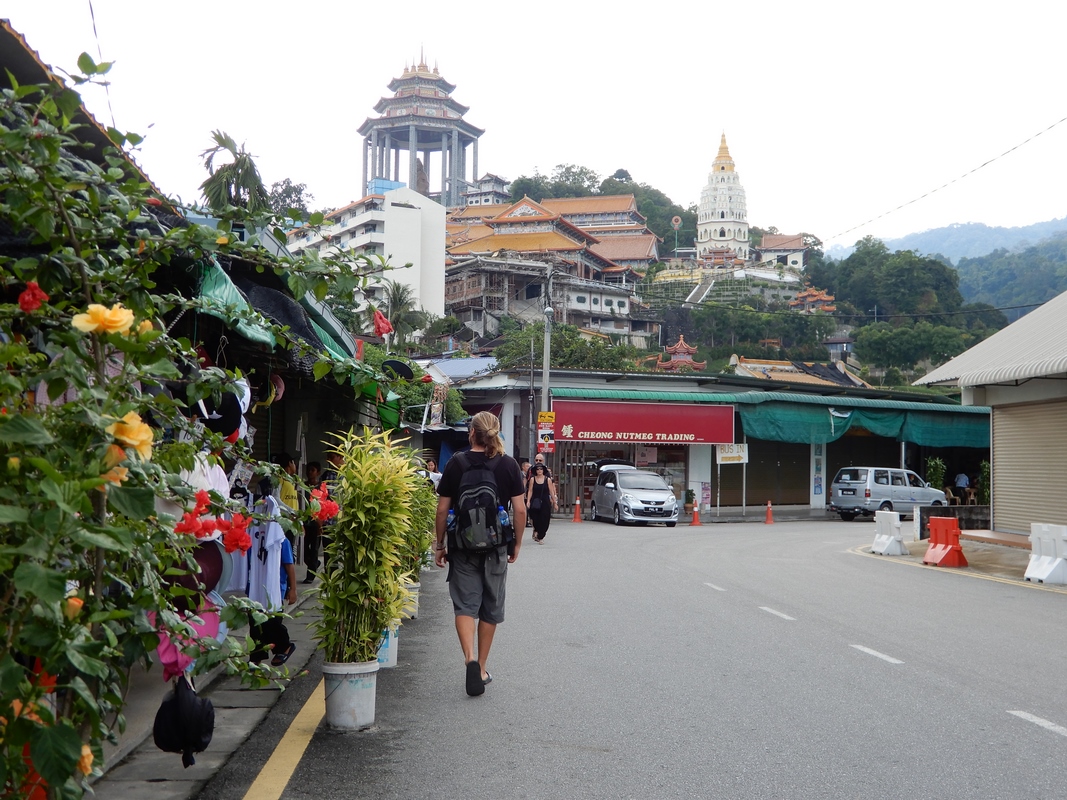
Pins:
x,y
671,524
616,517
886,506
847,517
937,503
592,513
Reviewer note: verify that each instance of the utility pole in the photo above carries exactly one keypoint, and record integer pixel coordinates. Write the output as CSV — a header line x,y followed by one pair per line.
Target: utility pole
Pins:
x,y
549,313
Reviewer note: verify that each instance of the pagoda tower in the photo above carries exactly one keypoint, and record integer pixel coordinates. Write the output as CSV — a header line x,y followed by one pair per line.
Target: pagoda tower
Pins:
x,y
422,119
722,219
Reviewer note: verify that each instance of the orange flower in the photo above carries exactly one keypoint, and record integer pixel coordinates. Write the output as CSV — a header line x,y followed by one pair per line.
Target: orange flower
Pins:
x,y
132,431
114,456
31,714
115,475
85,763
72,607
101,319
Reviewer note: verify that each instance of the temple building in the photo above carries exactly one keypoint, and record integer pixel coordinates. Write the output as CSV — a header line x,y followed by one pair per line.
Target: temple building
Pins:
x,y
420,118
722,219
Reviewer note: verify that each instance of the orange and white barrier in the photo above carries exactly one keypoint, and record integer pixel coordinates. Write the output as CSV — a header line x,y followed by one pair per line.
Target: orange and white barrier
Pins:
x,y
945,549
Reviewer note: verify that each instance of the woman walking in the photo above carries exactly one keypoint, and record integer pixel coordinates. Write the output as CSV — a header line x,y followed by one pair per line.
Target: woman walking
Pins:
x,y
541,500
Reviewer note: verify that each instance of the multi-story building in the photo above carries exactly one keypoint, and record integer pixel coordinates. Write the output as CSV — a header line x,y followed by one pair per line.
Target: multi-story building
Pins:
x,y
488,190
401,226
722,218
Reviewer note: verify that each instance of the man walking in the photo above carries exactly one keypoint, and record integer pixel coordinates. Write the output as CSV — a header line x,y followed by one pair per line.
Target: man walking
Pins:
x,y
476,580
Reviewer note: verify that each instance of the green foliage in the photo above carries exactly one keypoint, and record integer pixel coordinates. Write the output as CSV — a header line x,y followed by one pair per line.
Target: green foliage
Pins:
x,y
86,555
414,394
886,346
935,472
985,484
291,199
235,184
569,350
1002,278
420,533
362,588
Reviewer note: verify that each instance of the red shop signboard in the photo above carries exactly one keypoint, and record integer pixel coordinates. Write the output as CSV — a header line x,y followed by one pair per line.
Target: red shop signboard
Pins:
x,y
645,423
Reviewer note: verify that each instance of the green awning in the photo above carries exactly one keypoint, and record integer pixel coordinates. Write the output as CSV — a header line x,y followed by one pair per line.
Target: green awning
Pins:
x,y
221,299
331,345
815,419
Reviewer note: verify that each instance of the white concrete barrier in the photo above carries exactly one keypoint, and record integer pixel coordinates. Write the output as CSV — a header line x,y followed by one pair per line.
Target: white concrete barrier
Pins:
x,y
1048,551
888,538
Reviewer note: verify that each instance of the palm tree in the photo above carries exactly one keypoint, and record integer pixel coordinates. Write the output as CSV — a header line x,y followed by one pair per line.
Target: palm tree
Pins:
x,y
400,308
237,183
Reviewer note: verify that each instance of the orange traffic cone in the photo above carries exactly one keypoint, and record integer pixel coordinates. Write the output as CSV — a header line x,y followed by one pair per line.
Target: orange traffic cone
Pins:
x,y
770,515
696,516
577,509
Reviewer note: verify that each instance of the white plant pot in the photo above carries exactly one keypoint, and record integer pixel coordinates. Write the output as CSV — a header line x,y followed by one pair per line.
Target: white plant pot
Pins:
x,y
387,651
350,693
411,606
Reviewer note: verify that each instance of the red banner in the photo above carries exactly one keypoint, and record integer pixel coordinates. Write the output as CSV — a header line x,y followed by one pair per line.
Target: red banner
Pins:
x,y
643,423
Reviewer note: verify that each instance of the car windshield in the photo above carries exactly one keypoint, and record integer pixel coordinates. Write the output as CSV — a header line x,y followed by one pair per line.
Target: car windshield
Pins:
x,y
851,475
641,480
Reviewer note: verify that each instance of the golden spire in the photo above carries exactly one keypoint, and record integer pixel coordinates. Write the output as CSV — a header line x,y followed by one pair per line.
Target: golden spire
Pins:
x,y
724,151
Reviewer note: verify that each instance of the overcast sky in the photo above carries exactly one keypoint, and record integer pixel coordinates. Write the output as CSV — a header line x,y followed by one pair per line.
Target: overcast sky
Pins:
x,y
835,113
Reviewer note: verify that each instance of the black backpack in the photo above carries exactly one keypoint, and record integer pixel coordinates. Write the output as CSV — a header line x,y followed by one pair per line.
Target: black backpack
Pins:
x,y
184,722
478,528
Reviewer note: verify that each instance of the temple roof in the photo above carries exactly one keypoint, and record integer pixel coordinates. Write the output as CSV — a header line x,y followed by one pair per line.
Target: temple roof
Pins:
x,y
722,158
627,248
778,241
593,204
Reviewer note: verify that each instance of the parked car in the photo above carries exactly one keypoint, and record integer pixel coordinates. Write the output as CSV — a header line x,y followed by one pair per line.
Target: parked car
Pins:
x,y
626,495
859,491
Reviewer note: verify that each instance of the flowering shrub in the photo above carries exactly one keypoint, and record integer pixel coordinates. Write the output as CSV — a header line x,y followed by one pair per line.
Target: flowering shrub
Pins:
x,y
89,442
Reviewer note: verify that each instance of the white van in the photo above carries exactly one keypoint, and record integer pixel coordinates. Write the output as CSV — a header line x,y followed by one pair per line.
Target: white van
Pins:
x,y
864,490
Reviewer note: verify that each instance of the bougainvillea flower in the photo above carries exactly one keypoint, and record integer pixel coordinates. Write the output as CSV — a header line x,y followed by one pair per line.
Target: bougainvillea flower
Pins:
x,y
102,319
131,430
236,537
31,298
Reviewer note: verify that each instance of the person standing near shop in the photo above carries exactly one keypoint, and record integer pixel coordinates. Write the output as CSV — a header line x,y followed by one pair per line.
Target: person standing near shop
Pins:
x,y
312,527
477,580
541,500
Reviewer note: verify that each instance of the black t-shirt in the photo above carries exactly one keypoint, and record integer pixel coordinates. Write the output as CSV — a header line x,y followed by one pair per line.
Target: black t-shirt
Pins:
x,y
509,480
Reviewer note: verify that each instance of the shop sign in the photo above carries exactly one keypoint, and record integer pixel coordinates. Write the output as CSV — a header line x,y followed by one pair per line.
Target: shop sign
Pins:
x,y
546,431
653,424
731,454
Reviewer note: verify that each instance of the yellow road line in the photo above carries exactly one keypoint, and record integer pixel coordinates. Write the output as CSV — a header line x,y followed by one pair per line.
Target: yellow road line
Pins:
x,y
863,550
275,775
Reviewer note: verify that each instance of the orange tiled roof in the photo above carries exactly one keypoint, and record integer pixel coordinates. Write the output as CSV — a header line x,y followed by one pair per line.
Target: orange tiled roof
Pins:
x,y
518,242
458,233
777,241
626,248
595,204
482,212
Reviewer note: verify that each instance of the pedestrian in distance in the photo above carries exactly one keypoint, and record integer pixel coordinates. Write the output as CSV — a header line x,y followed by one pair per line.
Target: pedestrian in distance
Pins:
x,y
541,500
312,527
477,579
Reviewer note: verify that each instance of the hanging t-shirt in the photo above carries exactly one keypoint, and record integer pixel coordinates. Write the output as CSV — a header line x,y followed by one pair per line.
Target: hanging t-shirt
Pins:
x,y
265,557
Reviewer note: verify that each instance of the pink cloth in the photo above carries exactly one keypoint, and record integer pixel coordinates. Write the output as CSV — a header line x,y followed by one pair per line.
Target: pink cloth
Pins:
x,y
171,654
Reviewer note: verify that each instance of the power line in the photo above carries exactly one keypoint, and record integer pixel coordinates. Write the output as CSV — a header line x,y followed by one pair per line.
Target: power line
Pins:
x,y
954,180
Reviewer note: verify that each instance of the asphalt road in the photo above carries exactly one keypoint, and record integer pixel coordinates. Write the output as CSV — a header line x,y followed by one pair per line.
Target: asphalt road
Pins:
x,y
723,661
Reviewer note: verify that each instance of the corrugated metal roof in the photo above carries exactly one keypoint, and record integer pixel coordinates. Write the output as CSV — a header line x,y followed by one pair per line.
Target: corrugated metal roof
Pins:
x,y
761,397
459,369
1032,347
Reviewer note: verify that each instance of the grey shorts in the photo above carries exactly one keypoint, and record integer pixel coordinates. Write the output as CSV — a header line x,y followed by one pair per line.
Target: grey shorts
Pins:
x,y
476,584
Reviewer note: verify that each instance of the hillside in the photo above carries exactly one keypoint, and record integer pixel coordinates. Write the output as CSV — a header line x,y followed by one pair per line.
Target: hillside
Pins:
x,y
967,239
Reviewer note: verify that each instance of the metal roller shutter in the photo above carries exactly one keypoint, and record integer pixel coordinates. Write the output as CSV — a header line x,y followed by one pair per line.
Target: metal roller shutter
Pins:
x,y
1029,479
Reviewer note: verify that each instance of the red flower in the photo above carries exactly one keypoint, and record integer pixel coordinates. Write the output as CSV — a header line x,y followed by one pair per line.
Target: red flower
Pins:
x,y
328,509
235,537
203,500
382,326
31,298
190,523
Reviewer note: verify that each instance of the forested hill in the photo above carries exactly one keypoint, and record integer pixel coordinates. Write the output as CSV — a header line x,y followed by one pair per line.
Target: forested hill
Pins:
x,y
972,239
1005,279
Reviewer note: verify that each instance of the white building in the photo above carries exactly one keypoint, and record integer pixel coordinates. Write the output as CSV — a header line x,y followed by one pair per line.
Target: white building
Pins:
x,y
722,218
402,226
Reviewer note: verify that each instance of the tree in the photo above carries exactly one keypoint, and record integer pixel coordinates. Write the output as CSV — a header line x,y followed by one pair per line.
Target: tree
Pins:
x,y
400,308
236,183
569,349
287,197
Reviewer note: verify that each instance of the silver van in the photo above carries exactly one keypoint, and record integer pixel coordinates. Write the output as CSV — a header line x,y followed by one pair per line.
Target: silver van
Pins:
x,y
633,495
864,490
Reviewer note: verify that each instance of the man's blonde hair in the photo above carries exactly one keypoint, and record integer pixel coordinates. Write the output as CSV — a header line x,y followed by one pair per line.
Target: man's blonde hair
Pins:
x,y
485,430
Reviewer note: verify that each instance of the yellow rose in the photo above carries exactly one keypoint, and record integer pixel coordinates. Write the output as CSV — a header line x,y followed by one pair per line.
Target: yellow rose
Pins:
x,y
85,763
145,326
13,464
72,607
132,431
105,320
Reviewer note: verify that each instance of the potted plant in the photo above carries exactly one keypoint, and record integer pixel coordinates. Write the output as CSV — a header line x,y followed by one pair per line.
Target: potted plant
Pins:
x,y
935,472
361,590
690,500
416,551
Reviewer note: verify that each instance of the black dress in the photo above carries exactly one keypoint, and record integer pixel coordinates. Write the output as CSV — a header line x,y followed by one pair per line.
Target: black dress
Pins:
x,y
543,515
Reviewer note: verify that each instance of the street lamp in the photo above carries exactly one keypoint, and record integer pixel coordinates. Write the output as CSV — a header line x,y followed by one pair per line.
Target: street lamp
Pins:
x,y
549,313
